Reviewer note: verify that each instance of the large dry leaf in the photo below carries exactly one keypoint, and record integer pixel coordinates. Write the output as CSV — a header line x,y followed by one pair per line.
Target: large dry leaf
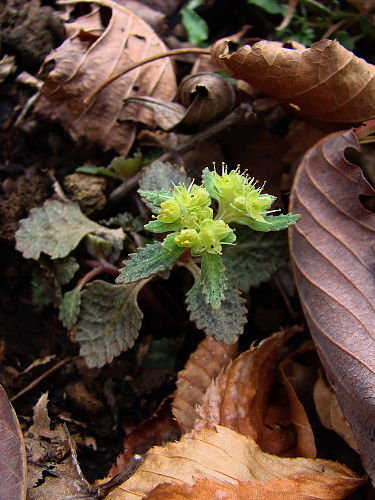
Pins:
x,y
223,455
12,453
253,398
203,365
86,60
332,249
326,82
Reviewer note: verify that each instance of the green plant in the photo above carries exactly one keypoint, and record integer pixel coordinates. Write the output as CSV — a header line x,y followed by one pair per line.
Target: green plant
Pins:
x,y
221,232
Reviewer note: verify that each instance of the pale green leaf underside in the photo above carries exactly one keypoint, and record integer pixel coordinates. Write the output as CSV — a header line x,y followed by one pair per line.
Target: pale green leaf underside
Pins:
x,y
255,257
148,260
69,308
225,324
273,222
108,322
213,279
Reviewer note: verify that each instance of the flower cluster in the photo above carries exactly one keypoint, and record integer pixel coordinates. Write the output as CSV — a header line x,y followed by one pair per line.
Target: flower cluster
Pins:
x,y
187,212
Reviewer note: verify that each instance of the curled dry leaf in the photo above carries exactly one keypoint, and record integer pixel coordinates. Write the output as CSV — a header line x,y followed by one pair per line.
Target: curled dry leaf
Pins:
x,y
86,60
222,455
203,365
251,397
332,249
326,82
329,412
12,453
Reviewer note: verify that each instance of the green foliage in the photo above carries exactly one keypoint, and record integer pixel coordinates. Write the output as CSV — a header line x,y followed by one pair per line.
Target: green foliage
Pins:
x,y
196,27
57,228
149,260
214,281
270,6
162,354
226,323
69,308
109,321
91,170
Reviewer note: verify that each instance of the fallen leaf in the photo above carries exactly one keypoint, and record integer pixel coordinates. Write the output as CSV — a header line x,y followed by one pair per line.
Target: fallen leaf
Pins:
x,y
224,456
251,398
326,82
86,60
332,249
329,412
202,367
12,453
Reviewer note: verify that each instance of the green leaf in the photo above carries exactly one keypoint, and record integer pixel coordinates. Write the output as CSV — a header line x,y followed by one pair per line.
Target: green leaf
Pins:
x,y
153,199
108,242
57,228
91,170
207,179
270,6
213,279
108,322
148,260
126,167
196,27
255,258
162,354
66,269
156,226
273,222
69,308
225,324
126,221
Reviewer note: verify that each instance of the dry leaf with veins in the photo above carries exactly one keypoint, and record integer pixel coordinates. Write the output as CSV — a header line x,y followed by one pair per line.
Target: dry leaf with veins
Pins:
x,y
86,60
226,458
252,397
203,365
326,82
332,250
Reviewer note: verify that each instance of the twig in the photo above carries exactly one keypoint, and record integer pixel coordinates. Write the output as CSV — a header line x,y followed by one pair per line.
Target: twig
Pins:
x,y
44,375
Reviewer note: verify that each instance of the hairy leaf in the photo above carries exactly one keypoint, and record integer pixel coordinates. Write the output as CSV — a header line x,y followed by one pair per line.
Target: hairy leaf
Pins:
x,y
273,222
332,250
255,257
108,322
12,453
66,269
213,279
225,324
148,260
224,456
203,365
326,82
90,56
69,308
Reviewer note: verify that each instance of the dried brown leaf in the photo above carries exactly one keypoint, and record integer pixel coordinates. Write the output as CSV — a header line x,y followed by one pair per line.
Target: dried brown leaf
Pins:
x,y
253,398
86,60
203,365
326,82
329,412
332,251
12,453
222,455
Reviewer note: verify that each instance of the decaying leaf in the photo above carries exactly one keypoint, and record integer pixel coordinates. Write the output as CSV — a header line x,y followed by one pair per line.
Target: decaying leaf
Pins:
x,y
251,398
332,250
109,321
87,59
57,228
12,453
224,456
326,82
329,412
202,367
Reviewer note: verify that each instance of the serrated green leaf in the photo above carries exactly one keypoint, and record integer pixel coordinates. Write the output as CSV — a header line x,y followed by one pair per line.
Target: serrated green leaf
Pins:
x,y
91,170
225,324
255,257
156,226
66,269
108,322
69,308
195,26
153,199
55,229
213,279
45,288
148,260
273,222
